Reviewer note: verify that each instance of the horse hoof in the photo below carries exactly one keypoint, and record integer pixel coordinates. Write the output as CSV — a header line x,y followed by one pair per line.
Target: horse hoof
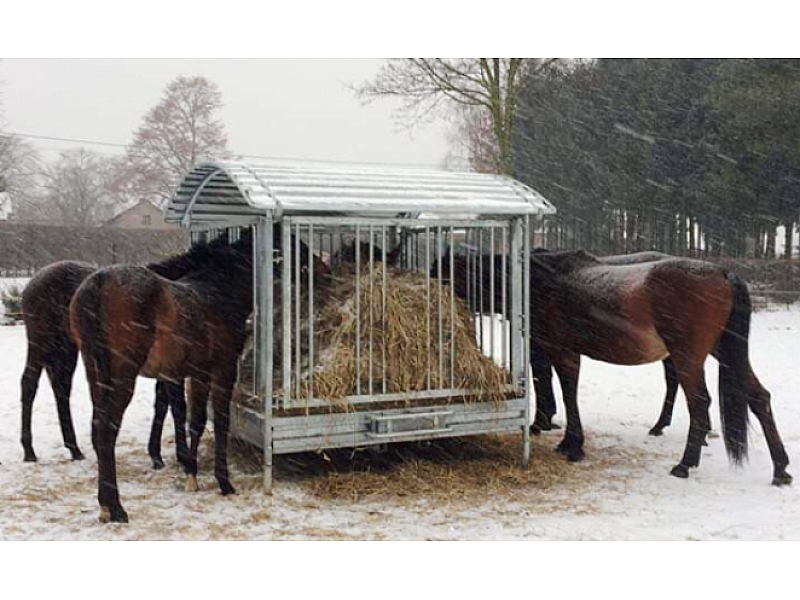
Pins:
x,y
30,458
191,484
115,515
680,471
226,488
656,431
575,456
543,425
77,455
157,463
782,479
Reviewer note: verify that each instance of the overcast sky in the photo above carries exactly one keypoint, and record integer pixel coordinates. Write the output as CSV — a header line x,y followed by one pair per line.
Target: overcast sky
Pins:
x,y
284,108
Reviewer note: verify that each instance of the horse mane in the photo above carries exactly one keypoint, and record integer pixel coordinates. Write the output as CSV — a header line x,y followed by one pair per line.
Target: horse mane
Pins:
x,y
200,256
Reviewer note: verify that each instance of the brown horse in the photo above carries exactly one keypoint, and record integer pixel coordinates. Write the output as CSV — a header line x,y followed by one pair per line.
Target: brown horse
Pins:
x,y
129,321
543,371
45,310
635,314
640,313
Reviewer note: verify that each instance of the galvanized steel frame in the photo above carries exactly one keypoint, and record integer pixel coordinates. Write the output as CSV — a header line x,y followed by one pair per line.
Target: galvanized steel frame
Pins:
x,y
277,432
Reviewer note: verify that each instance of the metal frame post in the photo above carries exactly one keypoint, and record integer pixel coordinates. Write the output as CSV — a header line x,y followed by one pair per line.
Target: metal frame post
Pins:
x,y
286,301
263,286
526,340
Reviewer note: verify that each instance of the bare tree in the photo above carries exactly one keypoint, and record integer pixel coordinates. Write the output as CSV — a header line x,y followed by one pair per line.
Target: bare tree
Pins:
x,y
75,190
18,166
472,141
485,85
179,131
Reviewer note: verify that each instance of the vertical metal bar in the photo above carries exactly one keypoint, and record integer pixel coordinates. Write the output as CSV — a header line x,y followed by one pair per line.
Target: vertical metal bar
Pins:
x,y
264,329
452,312
298,344
439,304
286,303
480,287
526,291
310,311
384,319
491,292
504,342
428,299
469,268
358,308
517,368
371,296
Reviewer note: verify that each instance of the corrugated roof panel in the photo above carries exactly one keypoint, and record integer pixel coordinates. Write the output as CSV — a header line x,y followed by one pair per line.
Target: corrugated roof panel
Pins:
x,y
229,188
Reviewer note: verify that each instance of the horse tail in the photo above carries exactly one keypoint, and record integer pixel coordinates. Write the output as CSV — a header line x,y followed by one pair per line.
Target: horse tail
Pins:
x,y
734,364
93,338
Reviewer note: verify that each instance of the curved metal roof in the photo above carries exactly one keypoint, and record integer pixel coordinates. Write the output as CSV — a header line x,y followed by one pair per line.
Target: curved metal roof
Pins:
x,y
220,191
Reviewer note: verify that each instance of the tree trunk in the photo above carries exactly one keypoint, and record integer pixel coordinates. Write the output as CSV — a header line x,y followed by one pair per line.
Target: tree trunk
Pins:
x,y
788,235
772,234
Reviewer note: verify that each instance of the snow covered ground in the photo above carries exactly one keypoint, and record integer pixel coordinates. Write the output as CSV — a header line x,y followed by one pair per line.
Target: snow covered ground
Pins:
x,y
633,498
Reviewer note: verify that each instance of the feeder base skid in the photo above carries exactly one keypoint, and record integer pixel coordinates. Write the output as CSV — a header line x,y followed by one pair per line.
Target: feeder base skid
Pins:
x,y
364,427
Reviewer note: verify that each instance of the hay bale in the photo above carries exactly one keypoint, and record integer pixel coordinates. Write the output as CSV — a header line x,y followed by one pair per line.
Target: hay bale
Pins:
x,y
403,333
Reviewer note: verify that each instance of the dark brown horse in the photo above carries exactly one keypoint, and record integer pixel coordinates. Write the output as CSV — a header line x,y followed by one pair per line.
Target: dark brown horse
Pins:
x,y
636,314
543,371
45,311
45,308
129,321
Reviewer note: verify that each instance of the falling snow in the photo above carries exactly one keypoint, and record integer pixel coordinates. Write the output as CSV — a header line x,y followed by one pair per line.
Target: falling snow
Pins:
x,y
55,498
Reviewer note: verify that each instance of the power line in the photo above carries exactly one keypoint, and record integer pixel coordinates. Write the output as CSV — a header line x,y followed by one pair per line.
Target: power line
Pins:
x,y
91,142
51,138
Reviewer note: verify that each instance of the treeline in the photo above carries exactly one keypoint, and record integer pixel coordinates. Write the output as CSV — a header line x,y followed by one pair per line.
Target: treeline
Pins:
x,y
27,248
691,156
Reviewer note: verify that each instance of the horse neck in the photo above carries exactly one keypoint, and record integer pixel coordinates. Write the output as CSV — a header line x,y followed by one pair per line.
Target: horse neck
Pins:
x,y
175,267
231,287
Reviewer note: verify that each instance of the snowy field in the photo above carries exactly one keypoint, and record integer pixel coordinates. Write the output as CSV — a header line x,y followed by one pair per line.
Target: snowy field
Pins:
x,y
627,492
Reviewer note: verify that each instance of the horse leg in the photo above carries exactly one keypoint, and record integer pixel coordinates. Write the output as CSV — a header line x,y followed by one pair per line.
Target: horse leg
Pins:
x,y
198,402
221,399
109,423
568,367
665,419
759,401
157,428
177,403
60,372
692,378
29,384
543,385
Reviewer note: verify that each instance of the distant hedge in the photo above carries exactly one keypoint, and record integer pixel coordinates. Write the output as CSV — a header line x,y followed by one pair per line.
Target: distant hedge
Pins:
x,y
30,247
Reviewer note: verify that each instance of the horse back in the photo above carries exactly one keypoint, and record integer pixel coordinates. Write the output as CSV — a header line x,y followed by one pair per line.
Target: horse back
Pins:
x,y
119,307
691,301
46,299
633,313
